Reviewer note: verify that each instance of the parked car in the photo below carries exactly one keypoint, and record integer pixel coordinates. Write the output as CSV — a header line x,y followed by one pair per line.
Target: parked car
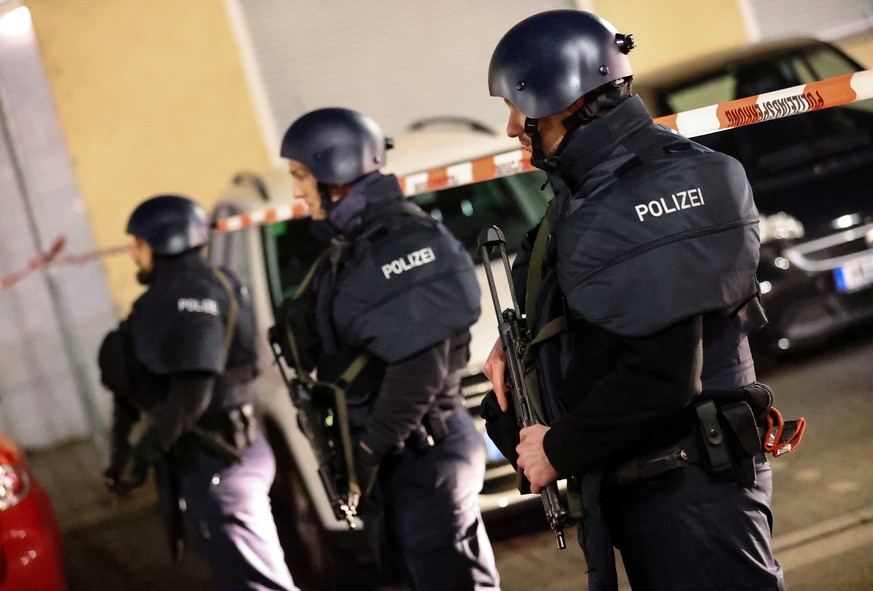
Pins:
x,y
31,554
273,259
812,176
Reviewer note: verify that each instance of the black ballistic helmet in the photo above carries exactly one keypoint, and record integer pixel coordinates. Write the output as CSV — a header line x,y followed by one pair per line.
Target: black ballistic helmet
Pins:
x,y
546,62
337,145
170,224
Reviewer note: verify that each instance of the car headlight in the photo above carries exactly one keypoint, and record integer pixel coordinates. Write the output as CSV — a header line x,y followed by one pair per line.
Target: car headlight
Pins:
x,y
780,226
14,485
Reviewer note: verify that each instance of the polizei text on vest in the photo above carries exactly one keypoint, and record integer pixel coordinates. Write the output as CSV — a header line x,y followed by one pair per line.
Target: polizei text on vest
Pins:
x,y
414,259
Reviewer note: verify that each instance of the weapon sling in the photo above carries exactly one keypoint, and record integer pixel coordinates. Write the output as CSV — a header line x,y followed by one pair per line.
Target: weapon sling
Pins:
x,y
338,388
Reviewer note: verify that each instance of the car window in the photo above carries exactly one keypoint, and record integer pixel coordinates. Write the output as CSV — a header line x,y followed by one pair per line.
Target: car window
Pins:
x,y
514,203
757,77
779,148
289,251
706,92
822,64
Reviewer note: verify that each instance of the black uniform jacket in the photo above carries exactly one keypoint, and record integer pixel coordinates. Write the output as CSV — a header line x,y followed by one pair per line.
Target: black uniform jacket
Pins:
x,y
180,366
653,248
407,293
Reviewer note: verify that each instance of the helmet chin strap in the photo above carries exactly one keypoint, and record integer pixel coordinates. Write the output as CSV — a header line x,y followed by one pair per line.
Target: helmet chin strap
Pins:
x,y
324,193
596,101
577,119
538,155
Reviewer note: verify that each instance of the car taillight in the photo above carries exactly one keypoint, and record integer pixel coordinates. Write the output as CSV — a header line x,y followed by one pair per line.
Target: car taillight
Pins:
x,y
14,485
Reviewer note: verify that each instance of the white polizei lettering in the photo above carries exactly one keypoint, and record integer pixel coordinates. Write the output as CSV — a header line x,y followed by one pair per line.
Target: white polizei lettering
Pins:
x,y
641,210
412,260
681,200
206,306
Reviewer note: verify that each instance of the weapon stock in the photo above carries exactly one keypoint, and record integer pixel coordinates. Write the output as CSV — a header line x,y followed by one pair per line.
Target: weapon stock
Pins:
x,y
514,337
317,423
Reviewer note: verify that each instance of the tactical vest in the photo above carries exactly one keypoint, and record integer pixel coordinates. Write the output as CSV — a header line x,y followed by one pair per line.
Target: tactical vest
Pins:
x,y
197,319
407,285
656,229
667,230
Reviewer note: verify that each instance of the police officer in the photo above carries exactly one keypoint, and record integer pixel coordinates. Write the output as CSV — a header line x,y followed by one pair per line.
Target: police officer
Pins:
x,y
186,357
648,255
402,291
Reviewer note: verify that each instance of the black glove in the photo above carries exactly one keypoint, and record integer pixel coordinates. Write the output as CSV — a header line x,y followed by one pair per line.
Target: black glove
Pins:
x,y
501,427
121,477
366,469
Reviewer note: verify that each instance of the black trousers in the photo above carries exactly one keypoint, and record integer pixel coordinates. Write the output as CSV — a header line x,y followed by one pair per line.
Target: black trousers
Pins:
x,y
425,517
686,530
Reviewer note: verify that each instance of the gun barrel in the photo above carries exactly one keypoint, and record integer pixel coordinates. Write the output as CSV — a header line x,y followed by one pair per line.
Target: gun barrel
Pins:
x,y
556,514
514,338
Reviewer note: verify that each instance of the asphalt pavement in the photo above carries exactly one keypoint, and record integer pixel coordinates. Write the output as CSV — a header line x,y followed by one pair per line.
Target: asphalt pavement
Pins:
x,y
823,501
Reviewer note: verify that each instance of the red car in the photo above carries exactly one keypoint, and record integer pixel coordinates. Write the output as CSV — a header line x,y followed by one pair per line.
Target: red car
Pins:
x,y
31,555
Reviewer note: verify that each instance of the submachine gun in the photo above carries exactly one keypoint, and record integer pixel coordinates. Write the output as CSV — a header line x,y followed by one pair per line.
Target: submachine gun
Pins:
x,y
322,420
515,337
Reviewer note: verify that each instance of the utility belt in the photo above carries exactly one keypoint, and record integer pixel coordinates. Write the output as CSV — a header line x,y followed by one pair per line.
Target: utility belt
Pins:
x,y
725,432
434,425
226,434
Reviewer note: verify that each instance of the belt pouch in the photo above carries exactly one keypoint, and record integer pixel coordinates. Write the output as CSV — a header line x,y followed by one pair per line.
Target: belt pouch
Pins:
x,y
712,436
743,440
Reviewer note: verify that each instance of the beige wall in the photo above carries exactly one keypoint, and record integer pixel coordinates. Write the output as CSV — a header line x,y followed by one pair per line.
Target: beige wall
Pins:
x,y
671,30
859,47
151,97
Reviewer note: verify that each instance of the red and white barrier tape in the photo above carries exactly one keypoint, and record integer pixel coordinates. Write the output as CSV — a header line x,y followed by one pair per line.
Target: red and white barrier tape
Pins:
x,y
796,100
269,215
52,256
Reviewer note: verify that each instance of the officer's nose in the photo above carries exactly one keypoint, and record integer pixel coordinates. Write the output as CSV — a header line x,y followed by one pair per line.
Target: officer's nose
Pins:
x,y
513,128
515,124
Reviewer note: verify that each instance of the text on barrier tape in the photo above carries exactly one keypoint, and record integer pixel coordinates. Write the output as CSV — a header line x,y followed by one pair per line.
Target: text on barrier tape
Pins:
x,y
769,106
